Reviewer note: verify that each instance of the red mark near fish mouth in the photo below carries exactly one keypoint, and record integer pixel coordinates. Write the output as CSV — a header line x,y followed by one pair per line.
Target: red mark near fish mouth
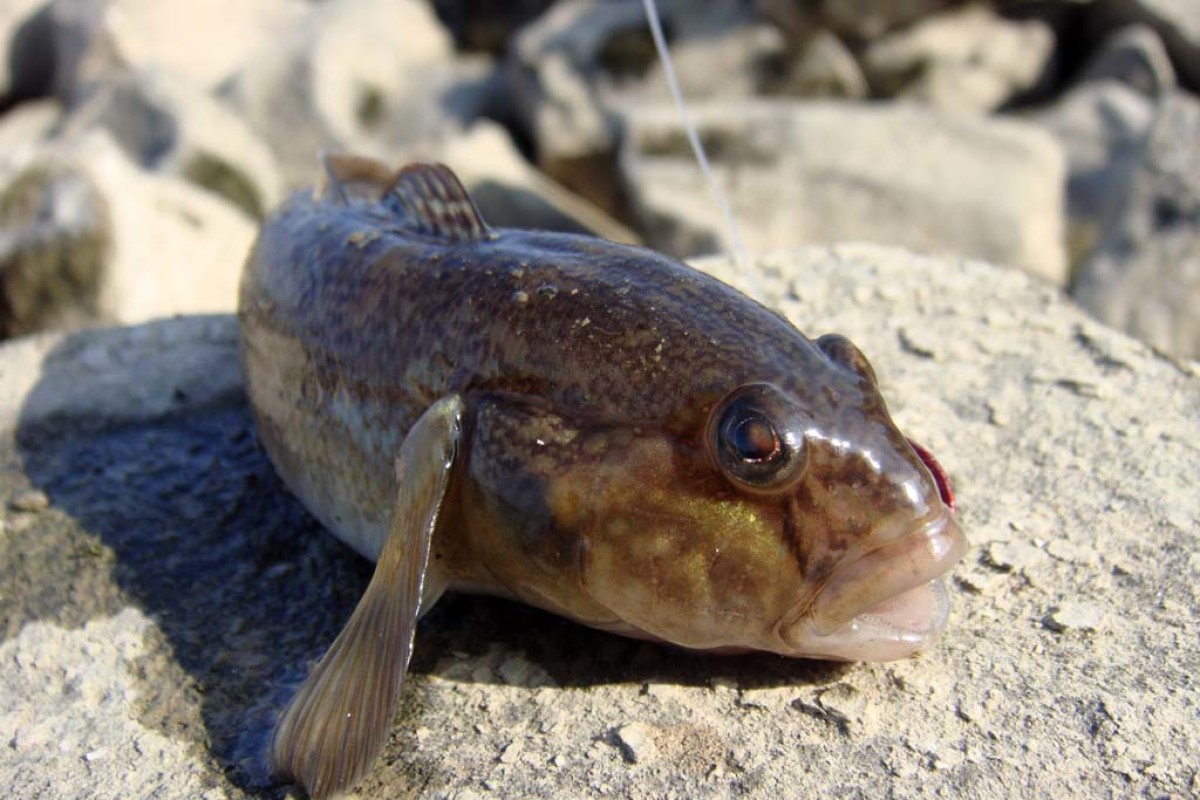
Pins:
x,y
945,489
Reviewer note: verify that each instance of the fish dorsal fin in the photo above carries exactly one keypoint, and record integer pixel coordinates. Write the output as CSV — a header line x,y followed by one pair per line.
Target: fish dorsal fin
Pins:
x,y
430,200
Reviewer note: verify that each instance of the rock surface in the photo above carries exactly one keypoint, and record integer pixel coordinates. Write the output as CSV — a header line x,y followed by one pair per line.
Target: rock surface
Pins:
x,y
157,610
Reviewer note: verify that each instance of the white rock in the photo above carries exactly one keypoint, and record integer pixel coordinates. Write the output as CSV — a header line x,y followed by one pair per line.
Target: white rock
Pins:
x,y
333,77
967,59
825,172
24,130
134,245
166,124
573,67
636,741
1075,616
204,41
75,687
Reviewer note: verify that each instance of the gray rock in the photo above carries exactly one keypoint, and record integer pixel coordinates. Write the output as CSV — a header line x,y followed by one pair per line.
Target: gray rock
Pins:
x,y
1102,126
26,66
1136,57
86,237
164,123
1177,22
967,59
159,609
826,172
1144,275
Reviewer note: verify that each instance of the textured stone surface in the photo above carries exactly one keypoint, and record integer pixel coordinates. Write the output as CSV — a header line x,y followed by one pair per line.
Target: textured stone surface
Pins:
x,y
158,609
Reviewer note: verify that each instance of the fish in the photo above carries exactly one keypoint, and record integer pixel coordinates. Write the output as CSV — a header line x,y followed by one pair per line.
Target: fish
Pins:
x,y
590,428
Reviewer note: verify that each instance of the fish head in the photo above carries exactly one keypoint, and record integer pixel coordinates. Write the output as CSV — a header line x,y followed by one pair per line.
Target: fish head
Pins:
x,y
794,518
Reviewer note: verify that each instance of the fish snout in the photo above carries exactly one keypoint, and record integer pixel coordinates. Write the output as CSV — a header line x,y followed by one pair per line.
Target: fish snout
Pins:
x,y
886,603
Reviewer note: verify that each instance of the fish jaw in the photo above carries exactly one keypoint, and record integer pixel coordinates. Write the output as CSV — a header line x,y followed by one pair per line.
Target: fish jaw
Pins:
x,y
884,605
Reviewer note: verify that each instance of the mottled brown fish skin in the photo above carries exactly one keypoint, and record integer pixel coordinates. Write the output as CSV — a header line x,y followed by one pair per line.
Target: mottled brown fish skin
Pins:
x,y
589,370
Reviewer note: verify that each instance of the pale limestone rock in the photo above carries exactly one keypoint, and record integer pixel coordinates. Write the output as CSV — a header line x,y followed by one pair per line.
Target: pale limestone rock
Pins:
x,y
166,124
825,172
968,59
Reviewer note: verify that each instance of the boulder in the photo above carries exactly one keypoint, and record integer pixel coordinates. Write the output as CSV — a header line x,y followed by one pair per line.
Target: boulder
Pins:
x,y
827,172
86,237
166,124
1144,275
966,59
93,40
156,613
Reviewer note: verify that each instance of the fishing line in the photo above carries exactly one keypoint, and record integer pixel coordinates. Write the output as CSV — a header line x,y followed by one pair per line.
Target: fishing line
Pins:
x,y
739,252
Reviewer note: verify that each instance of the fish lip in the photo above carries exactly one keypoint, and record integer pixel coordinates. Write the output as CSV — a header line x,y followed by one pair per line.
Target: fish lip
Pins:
x,y
887,572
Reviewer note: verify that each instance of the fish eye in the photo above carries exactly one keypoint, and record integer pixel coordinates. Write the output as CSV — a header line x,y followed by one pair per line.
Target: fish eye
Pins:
x,y
756,437
844,353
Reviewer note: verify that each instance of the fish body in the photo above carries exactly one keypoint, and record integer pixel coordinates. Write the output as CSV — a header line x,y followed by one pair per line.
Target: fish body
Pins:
x,y
615,437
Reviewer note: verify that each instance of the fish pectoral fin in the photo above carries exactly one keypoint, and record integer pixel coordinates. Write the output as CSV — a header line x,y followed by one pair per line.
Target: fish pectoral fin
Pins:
x,y
336,724
429,199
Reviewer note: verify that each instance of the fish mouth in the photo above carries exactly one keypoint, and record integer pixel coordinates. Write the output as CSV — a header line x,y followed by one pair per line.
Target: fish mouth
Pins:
x,y
886,604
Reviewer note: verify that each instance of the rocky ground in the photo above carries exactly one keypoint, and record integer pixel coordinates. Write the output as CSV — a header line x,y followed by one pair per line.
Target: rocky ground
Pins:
x,y
159,591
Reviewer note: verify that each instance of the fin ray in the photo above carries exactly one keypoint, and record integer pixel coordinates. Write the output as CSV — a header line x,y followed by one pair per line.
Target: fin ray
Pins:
x,y
430,200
